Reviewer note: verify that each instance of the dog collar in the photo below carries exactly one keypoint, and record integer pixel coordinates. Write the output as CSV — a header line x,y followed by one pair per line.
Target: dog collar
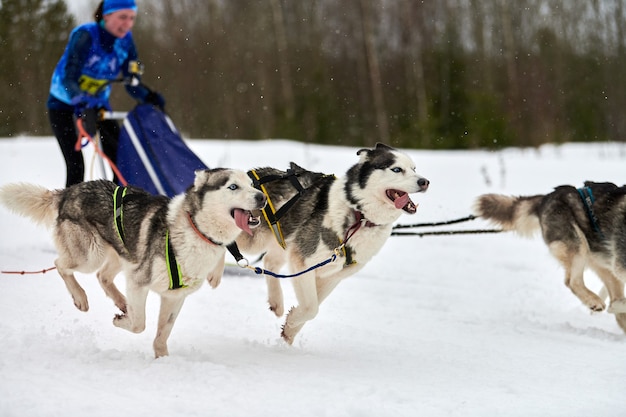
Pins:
x,y
360,218
200,234
360,221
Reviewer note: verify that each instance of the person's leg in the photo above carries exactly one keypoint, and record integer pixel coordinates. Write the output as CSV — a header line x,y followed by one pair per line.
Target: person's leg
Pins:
x,y
62,123
109,136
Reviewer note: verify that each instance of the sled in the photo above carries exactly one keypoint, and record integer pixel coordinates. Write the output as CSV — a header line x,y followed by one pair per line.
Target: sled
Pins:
x,y
152,154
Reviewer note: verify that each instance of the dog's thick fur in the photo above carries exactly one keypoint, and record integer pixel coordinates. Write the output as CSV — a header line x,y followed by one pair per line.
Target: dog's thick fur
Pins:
x,y
217,205
377,187
570,234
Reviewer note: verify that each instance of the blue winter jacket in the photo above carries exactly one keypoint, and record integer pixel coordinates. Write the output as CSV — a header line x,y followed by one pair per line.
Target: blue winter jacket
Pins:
x,y
92,57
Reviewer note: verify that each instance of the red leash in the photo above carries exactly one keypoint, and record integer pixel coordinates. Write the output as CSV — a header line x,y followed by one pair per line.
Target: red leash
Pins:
x,y
82,133
43,271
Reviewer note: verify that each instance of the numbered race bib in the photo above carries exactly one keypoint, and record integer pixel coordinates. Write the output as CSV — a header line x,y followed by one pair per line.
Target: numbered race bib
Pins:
x,y
90,85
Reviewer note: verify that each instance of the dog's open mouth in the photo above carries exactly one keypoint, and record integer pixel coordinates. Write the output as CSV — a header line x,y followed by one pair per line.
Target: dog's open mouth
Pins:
x,y
245,220
402,200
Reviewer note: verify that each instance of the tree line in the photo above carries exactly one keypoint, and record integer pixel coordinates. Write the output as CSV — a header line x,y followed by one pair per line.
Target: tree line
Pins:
x,y
448,74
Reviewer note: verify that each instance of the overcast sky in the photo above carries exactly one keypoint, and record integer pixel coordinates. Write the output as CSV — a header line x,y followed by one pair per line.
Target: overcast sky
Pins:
x,y
82,9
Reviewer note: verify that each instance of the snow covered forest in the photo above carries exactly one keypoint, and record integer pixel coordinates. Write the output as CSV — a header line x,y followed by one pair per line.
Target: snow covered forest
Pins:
x,y
417,74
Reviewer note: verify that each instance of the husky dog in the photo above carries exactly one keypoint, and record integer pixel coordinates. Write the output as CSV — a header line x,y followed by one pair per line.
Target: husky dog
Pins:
x,y
583,227
352,216
168,246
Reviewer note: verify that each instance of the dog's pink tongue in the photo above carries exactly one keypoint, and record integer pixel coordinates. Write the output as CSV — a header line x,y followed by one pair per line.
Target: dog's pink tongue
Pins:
x,y
401,201
241,220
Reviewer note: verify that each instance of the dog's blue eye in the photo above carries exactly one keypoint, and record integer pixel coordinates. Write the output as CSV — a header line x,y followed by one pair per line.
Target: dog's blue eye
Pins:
x,y
233,187
396,169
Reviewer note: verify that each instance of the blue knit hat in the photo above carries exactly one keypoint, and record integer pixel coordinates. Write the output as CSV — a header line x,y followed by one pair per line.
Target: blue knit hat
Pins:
x,y
111,6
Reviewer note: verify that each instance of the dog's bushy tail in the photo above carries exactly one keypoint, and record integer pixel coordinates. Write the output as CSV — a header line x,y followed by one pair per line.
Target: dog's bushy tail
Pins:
x,y
519,214
32,201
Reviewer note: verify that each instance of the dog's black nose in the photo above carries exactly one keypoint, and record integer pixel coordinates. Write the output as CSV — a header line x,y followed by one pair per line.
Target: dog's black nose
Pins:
x,y
261,200
423,183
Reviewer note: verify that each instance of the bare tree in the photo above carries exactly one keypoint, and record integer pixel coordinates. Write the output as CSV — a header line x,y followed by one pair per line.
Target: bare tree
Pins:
x,y
376,83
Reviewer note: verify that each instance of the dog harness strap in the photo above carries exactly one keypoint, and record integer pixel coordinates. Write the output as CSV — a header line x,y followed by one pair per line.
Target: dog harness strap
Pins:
x,y
347,253
268,211
173,269
234,250
118,200
293,178
587,197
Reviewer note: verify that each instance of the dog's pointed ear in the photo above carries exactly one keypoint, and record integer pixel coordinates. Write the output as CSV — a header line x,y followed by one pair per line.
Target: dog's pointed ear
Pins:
x,y
363,154
382,146
296,167
201,177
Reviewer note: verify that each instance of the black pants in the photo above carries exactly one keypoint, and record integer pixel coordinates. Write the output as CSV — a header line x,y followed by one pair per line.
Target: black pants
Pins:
x,y
64,128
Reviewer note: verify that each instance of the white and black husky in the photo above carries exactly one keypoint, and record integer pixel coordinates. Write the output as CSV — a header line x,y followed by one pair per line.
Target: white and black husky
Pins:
x,y
352,216
167,246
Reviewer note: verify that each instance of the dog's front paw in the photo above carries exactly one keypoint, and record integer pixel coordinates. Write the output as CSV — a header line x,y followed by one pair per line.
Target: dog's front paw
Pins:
x,y
121,320
286,334
124,321
277,308
214,280
160,350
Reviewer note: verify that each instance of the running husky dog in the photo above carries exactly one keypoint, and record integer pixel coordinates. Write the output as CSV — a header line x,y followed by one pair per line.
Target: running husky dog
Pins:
x,y
582,227
168,246
352,216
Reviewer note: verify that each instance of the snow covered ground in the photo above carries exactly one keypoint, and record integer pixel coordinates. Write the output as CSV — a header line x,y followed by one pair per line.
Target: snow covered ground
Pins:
x,y
471,325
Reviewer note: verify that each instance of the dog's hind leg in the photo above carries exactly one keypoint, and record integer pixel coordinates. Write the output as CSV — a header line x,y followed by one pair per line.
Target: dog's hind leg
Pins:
x,y
621,320
76,291
615,289
170,307
107,273
80,250
574,262
135,318
619,267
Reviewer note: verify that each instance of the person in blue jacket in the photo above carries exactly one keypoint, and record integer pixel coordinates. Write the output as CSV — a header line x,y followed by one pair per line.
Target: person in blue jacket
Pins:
x,y
95,55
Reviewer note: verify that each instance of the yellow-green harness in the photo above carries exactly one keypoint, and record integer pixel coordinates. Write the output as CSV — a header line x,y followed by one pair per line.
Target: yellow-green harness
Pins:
x,y
173,268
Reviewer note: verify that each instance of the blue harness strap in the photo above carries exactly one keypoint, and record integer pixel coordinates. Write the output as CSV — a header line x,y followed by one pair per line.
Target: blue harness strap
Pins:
x,y
586,195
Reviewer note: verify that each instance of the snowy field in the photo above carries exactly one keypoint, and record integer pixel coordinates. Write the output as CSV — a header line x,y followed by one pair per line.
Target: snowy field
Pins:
x,y
471,325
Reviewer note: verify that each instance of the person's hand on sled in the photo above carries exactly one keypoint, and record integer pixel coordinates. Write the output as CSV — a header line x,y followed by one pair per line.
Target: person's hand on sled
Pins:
x,y
86,107
156,99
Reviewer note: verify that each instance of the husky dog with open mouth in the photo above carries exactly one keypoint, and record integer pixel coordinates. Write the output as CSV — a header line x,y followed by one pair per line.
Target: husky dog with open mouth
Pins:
x,y
350,216
167,246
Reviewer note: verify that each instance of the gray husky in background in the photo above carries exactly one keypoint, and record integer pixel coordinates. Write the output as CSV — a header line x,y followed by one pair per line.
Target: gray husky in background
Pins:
x,y
579,234
168,246
352,216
